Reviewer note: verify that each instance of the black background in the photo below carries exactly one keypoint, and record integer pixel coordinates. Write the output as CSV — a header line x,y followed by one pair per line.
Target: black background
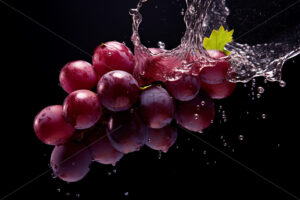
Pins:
x,y
31,58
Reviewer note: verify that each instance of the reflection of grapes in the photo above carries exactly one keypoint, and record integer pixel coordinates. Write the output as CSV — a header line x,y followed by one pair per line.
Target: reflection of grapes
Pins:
x,y
77,75
118,90
102,151
131,116
82,109
127,132
157,107
70,161
197,114
184,89
162,139
50,126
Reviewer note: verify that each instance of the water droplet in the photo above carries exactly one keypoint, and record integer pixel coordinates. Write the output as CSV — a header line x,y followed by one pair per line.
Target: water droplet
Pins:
x,y
182,11
232,150
114,171
204,152
53,175
278,145
196,116
58,190
207,163
126,193
198,107
260,90
225,144
159,155
258,96
142,73
282,83
245,85
241,137
161,45
109,53
108,173
202,103
221,137
263,116
68,193
77,195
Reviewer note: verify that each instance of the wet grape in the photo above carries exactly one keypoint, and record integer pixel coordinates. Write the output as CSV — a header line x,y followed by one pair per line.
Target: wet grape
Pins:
x,y
157,107
50,126
82,109
118,90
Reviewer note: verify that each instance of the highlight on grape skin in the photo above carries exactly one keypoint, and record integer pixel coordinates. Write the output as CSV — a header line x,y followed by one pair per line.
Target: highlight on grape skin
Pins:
x,y
82,109
157,107
113,56
102,150
162,139
118,90
78,75
197,114
70,162
51,127
127,132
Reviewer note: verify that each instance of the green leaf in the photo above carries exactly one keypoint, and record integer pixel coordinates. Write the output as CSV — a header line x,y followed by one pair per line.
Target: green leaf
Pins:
x,y
218,39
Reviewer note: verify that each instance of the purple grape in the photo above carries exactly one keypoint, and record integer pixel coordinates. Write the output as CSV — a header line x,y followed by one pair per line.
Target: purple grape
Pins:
x,y
70,162
118,90
162,139
184,89
102,151
113,56
197,114
218,73
50,126
157,107
219,91
78,75
127,132
82,109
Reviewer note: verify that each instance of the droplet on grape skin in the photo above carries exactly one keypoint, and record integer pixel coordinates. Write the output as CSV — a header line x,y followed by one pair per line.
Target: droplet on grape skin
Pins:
x,y
126,131
82,109
184,89
156,107
77,75
70,162
51,127
219,91
186,111
218,73
102,150
118,90
113,55
162,139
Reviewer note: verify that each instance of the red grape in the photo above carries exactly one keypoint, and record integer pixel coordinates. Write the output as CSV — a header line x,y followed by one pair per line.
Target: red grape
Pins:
x,y
185,88
70,161
50,126
118,90
218,73
127,133
219,91
82,109
157,107
77,75
102,151
197,114
113,56
162,139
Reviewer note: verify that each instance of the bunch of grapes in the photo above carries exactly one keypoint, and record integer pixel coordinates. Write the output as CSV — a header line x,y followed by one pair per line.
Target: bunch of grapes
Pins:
x,y
108,114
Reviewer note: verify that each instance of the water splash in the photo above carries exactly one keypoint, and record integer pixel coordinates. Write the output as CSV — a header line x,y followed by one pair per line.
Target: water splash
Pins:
x,y
201,17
